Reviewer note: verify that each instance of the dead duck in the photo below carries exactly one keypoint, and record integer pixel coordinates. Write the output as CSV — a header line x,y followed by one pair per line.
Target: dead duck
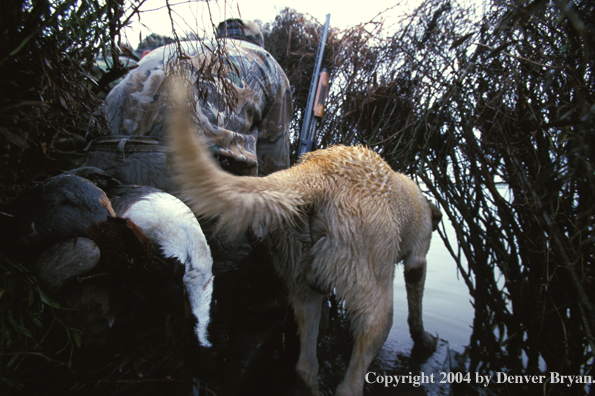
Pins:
x,y
115,246
167,222
61,207
65,226
65,206
175,231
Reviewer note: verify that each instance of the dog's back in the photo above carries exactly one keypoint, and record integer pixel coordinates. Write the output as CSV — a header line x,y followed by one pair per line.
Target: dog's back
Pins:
x,y
362,219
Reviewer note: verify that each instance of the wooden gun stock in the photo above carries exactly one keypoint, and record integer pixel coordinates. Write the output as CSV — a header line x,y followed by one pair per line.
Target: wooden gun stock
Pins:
x,y
321,92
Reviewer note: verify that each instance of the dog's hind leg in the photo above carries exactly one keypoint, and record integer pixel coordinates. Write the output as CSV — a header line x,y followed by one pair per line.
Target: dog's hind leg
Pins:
x,y
370,329
415,278
307,305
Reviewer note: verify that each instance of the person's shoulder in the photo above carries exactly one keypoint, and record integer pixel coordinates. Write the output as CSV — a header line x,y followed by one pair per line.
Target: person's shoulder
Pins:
x,y
244,46
252,52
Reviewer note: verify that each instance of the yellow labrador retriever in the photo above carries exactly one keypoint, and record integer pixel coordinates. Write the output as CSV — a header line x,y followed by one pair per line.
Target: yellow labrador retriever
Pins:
x,y
341,219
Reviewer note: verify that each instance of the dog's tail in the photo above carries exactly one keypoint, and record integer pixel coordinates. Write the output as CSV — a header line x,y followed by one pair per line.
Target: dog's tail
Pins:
x,y
239,201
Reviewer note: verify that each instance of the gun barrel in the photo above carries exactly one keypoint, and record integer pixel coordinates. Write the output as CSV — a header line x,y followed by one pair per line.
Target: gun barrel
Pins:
x,y
307,135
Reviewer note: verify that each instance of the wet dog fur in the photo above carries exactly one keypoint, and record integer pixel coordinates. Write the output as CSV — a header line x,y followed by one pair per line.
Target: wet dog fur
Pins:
x,y
340,219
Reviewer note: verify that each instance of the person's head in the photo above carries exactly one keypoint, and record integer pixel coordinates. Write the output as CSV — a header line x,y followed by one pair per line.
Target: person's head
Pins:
x,y
241,29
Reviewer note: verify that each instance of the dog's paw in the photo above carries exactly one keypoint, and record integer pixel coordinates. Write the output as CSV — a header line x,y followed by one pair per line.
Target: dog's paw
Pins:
x,y
426,341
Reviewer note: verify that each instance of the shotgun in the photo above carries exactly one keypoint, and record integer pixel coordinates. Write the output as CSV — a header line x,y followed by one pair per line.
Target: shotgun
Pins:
x,y
317,93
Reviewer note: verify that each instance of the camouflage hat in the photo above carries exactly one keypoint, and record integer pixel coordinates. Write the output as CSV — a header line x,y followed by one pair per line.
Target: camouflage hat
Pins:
x,y
151,42
241,29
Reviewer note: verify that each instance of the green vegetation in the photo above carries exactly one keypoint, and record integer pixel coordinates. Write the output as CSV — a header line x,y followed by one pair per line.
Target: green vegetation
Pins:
x,y
33,328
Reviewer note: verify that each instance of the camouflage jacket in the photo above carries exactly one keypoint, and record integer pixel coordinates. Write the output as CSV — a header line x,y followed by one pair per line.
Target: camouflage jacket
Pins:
x,y
253,136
